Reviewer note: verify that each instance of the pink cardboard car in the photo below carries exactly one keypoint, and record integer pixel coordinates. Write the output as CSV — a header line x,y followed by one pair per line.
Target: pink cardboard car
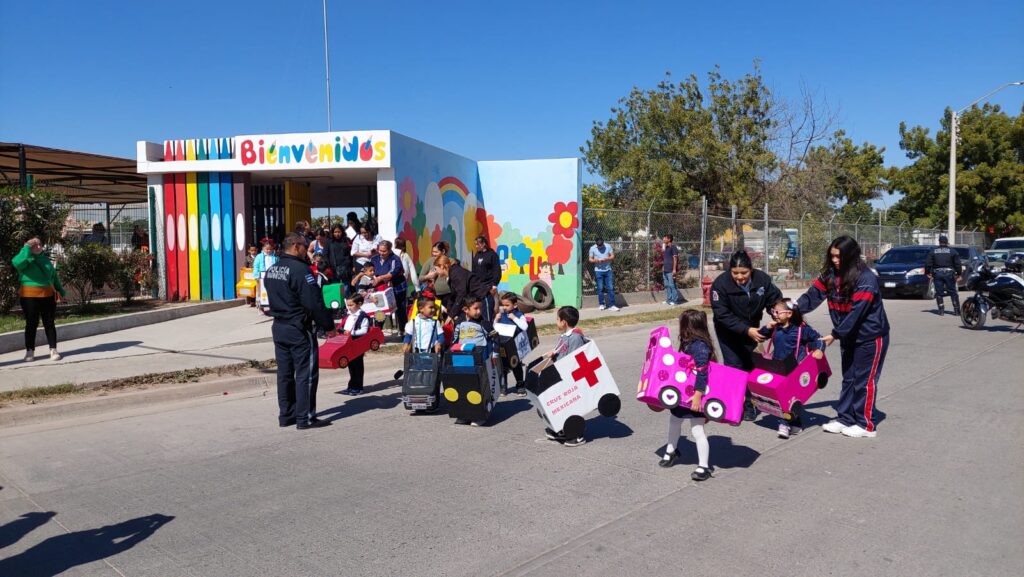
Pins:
x,y
782,388
668,377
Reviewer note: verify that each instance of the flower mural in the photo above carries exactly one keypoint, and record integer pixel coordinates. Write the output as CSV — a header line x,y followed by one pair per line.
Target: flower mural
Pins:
x,y
408,208
564,220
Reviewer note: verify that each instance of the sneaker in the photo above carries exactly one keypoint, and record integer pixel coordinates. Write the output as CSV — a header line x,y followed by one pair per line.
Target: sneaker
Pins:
x,y
669,459
857,432
784,430
575,442
794,430
476,423
520,391
613,308
30,356
54,355
701,474
552,436
833,427
601,308
461,422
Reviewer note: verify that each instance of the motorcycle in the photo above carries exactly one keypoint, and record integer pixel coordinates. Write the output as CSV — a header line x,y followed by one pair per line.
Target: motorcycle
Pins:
x,y
999,294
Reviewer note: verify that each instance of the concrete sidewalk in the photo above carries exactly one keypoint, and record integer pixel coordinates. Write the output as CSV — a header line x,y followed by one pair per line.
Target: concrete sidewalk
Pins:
x,y
215,339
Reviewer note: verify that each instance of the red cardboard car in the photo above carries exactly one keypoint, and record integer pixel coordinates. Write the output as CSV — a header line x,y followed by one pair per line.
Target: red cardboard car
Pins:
x,y
336,352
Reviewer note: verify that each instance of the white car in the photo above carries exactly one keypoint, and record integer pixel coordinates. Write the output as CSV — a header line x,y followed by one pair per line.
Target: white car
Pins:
x,y
1002,248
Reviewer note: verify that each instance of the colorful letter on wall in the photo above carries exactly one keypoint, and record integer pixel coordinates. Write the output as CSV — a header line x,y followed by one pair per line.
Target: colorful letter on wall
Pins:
x,y
170,228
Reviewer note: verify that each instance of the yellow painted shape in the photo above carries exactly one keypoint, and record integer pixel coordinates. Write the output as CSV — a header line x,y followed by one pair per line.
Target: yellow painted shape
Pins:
x,y
297,203
474,397
451,394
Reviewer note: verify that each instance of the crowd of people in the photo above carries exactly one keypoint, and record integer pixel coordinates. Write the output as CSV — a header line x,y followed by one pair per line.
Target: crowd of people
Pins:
x,y
740,298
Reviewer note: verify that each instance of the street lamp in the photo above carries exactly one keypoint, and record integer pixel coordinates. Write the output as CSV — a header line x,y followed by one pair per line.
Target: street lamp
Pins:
x,y
951,225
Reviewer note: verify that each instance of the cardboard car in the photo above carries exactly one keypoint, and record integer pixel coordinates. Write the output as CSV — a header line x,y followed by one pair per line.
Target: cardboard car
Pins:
x,y
471,382
336,352
668,377
421,381
566,391
247,285
782,388
514,343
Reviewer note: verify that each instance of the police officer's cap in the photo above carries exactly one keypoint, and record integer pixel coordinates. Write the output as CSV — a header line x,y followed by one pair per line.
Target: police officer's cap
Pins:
x,y
943,239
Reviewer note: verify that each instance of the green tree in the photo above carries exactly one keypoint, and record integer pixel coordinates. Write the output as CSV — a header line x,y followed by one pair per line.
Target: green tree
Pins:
x,y
678,141
990,170
25,213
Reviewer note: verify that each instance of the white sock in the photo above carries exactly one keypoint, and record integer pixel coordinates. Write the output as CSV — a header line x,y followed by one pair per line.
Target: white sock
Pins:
x,y
675,428
703,448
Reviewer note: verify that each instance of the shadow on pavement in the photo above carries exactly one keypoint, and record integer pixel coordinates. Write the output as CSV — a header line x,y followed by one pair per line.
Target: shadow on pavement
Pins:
x,y
58,554
104,348
361,404
505,410
724,454
12,532
607,428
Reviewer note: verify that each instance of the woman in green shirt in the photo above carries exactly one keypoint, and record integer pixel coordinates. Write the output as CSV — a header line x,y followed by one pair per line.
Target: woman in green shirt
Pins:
x,y
40,291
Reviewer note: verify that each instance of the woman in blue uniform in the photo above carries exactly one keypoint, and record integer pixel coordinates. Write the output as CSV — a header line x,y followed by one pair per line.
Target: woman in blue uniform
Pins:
x,y
739,299
860,326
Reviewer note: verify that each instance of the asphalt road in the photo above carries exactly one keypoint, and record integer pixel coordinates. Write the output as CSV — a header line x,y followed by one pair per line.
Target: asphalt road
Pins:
x,y
212,486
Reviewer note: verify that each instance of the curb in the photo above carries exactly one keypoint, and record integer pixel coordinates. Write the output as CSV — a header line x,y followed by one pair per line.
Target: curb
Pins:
x,y
15,340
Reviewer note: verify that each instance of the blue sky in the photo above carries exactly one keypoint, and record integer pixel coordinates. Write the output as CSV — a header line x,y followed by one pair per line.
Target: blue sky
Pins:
x,y
487,80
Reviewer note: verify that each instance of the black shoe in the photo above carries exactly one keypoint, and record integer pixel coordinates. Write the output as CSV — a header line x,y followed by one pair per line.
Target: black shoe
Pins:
x,y
956,311
701,474
942,310
313,424
669,459
553,436
286,423
749,413
356,392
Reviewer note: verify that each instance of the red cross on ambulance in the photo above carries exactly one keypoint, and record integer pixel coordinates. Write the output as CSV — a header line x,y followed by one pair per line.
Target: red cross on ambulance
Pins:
x,y
586,368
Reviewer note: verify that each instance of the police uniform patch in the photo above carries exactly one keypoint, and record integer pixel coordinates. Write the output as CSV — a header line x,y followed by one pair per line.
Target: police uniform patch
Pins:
x,y
714,295
310,279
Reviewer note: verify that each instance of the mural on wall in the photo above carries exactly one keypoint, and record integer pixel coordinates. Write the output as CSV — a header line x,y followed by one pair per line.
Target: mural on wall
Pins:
x,y
446,210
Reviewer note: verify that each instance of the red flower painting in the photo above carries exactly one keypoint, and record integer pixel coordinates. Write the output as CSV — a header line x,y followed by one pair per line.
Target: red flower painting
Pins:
x,y
564,220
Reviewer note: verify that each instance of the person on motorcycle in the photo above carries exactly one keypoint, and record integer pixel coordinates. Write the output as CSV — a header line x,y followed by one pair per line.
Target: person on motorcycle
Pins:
x,y
943,267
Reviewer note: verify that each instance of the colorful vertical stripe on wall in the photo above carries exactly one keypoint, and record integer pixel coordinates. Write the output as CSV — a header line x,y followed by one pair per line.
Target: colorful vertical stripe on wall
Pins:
x,y
181,214
230,260
240,198
216,254
192,192
170,217
203,208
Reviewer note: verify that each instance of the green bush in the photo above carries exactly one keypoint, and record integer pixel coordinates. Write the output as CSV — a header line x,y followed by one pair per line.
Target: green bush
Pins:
x,y
86,269
132,273
25,213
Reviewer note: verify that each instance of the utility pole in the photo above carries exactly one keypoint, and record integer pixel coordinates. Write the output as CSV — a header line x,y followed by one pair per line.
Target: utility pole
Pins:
x,y
327,64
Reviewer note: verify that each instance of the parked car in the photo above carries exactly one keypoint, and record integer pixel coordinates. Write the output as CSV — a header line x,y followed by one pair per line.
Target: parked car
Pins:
x,y
970,256
901,272
1001,249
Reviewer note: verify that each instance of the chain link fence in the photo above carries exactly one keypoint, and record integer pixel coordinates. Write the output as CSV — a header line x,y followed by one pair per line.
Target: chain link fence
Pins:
x,y
787,249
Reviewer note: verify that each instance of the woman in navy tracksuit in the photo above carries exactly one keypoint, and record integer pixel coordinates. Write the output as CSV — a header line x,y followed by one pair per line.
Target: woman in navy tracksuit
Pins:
x,y
860,326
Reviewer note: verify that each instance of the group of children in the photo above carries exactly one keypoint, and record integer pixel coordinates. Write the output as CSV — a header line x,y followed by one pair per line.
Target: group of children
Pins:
x,y
788,336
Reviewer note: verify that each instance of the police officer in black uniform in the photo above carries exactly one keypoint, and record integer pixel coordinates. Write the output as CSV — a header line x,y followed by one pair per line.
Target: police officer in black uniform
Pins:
x,y
943,267
296,304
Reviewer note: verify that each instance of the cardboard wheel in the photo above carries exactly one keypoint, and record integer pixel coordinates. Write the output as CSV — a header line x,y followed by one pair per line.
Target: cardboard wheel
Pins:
x,y
669,396
342,362
374,345
714,409
514,361
609,405
574,427
822,380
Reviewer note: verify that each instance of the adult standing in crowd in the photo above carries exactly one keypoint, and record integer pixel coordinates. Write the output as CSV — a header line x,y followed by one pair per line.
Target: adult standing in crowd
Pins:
x,y
411,278
602,255
140,238
353,226
739,298
487,268
429,274
943,267
317,246
364,247
297,305
862,329
98,235
463,284
40,290
387,269
670,256
338,256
